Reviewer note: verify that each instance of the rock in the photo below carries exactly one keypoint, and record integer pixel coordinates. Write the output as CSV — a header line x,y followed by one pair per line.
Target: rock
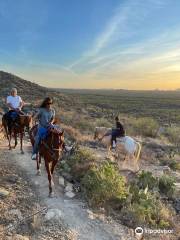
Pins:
x,y
3,193
90,214
69,187
70,194
36,183
61,181
53,214
176,205
17,213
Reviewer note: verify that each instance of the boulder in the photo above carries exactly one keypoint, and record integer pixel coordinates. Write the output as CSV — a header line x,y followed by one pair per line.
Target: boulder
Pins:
x,y
69,187
3,193
70,194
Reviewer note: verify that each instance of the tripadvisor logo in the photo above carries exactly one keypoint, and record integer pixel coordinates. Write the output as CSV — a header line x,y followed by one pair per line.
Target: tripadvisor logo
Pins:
x,y
138,232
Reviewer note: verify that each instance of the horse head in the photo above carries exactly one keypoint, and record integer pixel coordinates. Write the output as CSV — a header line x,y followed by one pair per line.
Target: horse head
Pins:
x,y
57,137
26,121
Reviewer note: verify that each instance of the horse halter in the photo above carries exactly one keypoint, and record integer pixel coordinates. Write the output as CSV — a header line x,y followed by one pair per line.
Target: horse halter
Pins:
x,y
59,142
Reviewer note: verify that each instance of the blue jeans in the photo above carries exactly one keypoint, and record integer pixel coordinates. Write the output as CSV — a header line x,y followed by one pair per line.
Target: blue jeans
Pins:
x,y
40,135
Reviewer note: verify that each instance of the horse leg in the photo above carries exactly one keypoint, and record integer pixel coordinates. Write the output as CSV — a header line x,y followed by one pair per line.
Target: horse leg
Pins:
x,y
38,161
49,177
21,141
53,166
7,135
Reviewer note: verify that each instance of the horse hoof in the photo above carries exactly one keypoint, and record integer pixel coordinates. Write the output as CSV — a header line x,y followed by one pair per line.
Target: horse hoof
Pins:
x,y
51,195
38,173
22,152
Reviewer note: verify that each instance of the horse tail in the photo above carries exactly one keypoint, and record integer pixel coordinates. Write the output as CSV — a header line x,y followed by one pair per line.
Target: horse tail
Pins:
x,y
137,154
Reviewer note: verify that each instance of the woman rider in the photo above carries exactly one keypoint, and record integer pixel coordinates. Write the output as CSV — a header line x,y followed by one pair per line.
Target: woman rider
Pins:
x,y
46,117
117,132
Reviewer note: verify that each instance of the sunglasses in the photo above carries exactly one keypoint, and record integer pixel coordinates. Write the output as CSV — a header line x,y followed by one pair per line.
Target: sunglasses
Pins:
x,y
49,103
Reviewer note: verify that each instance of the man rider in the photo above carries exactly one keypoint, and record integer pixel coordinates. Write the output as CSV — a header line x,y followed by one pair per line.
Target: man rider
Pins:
x,y
15,104
117,132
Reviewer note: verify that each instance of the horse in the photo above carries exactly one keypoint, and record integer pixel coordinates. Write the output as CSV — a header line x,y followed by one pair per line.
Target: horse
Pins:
x,y
51,149
128,145
17,128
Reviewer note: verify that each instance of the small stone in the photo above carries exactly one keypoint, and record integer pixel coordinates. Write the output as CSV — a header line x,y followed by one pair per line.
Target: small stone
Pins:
x,y
3,193
90,214
69,187
36,183
61,181
69,194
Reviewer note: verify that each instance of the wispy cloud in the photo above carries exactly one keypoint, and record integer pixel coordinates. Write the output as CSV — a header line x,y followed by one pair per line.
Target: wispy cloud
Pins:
x,y
120,26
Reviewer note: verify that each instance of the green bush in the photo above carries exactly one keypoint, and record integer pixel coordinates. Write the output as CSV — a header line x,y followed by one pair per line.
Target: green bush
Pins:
x,y
174,165
173,134
166,185
144,208
80,162
103,184
146,179
147,127
102,122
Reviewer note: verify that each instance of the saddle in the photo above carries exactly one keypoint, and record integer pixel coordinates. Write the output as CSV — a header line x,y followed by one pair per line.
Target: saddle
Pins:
x,y
55,129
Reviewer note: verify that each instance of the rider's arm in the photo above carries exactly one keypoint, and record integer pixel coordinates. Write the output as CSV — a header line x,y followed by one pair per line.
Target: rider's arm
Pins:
x,y
21,103
53,117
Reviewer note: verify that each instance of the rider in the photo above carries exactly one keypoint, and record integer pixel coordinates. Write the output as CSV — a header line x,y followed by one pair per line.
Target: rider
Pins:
x,y
46,117
117,132
15,104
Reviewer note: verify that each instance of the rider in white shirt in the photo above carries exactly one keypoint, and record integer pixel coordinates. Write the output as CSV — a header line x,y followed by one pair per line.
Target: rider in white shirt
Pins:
x,y
14,102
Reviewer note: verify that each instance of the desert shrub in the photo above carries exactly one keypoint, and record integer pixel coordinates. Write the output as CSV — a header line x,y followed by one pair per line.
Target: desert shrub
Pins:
x,y
84,125
102,184
174,165
80,162
144,207
166,185
146,179
102,122
147,127
173,134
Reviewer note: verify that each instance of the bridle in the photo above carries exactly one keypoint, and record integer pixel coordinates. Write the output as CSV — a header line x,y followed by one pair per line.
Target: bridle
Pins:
x,y
51,148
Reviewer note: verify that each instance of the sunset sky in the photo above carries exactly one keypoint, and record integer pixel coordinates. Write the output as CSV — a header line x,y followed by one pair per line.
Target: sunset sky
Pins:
x,y
127,44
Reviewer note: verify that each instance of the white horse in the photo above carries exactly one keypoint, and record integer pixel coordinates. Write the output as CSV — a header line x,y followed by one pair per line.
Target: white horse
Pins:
x,y
127,145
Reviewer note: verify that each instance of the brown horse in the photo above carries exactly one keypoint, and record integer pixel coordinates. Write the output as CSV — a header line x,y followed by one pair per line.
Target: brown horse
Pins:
x,y
51,150
17,129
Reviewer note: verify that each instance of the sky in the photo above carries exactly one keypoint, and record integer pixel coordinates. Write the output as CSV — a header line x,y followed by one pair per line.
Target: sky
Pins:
x,y
120,44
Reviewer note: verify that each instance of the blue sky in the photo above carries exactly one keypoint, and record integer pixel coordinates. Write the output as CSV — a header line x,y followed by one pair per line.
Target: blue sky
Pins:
x,y
133,44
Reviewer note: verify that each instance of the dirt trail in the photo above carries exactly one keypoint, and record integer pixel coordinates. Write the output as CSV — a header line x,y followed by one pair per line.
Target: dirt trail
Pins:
x,y
74,214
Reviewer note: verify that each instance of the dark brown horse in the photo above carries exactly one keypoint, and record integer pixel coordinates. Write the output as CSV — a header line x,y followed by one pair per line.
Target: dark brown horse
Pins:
x,y
17,129
51,150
